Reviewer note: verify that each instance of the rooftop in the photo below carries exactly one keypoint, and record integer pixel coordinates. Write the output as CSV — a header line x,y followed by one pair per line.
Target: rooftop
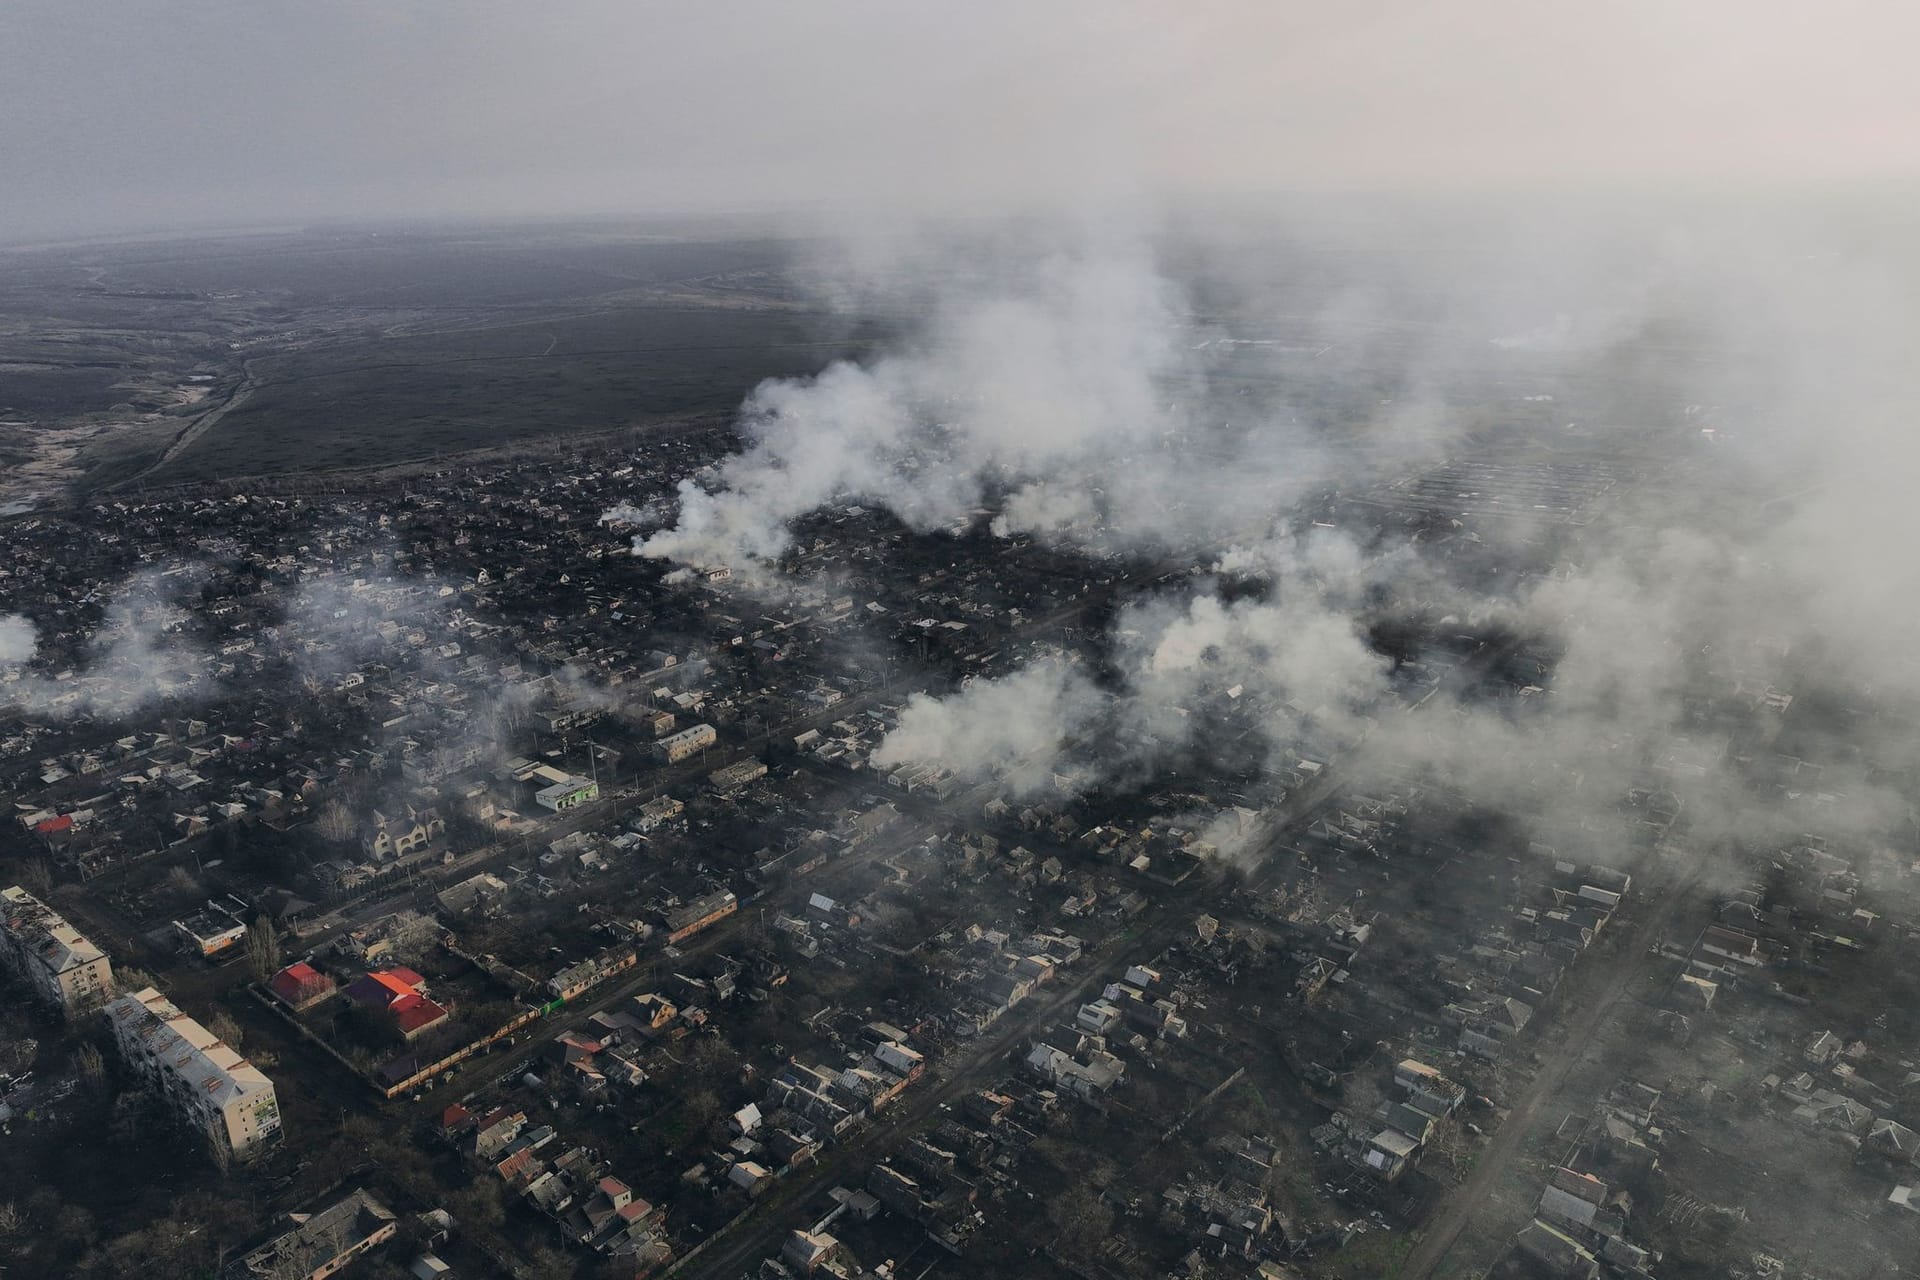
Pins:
x,y
58,944
319,1239
190,1051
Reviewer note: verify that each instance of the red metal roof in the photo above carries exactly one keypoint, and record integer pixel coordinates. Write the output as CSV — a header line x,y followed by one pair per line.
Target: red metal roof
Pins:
x,y
297,981
386,987
416,1013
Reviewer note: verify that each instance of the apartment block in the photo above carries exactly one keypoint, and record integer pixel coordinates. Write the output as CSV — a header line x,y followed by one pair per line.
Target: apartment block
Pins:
x,y
201,1079
65,968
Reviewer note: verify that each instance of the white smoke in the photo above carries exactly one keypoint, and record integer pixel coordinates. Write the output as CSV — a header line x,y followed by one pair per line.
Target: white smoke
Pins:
x,y
1299,662
638,517
139,654
1084,405
1041,386
18,639
1019,728
1044,507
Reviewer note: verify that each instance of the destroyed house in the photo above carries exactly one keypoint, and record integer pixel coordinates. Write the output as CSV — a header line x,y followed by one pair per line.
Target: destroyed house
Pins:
x,y
320,1244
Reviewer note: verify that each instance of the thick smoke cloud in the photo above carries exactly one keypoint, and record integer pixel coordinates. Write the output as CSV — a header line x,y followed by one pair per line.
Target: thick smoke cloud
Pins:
x,y
1298,660
1019,728
1772,391
145,650
18,639
1047,391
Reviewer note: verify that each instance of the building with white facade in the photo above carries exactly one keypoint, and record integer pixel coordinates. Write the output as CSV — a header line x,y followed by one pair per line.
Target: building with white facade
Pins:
x,y
566,794
687,743
65,968
209,933
201,1079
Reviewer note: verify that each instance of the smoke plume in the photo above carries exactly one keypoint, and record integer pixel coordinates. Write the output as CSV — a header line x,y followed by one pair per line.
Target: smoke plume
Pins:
x,y
18,639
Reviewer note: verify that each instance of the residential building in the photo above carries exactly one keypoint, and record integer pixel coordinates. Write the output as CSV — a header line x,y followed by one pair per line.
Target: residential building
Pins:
x,y
657,812
65,968
320,1244
1555,1252
1571,1199
735,776
1389,1153
1427,1090
576,979
300,986
391,838
676,747
1099,1074
201,1079
685,921
402,994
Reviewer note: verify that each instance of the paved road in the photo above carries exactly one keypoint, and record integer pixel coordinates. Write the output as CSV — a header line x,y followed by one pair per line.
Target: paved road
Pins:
x,y
1583,1019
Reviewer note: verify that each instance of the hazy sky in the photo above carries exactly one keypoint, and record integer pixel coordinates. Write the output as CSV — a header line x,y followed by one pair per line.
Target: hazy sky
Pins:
x,y
164,112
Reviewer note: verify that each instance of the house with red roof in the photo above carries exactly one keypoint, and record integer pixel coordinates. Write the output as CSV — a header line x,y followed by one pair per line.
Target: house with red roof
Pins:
x,y
401,993
300,986
455,1120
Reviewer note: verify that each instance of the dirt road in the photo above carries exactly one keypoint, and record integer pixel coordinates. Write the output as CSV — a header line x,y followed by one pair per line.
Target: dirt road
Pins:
x,y
1584,1020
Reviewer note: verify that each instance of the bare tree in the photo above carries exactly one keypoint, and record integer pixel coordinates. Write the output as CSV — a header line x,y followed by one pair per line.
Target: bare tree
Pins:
x,y
221,1023
703,1105
263,948
90,1066
128,1119
38,874
336,822
1081,1218
128,977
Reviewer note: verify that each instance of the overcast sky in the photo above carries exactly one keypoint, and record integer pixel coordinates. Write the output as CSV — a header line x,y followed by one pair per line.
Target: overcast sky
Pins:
x,y
159,113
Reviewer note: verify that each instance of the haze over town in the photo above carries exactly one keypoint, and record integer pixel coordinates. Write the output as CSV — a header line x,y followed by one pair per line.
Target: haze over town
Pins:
x,y
1106,641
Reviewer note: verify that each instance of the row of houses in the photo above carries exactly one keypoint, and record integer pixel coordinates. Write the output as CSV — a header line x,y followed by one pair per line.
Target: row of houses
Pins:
x,y
1139,1003
829,1101
1388,1141
1579,1230
573,1188
320,1244
998,971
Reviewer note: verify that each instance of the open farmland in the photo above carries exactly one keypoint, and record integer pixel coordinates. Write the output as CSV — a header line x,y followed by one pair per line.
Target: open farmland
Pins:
x,y
383,401
182,361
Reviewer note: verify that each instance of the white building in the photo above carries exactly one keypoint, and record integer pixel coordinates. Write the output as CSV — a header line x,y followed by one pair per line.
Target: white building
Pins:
x,y
63,966
567,793
210,933
202,1080
688,742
